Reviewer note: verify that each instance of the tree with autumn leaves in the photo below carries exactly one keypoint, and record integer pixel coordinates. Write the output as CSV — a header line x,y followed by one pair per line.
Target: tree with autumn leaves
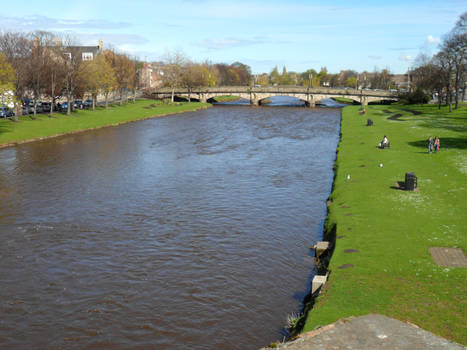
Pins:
x,y
7,87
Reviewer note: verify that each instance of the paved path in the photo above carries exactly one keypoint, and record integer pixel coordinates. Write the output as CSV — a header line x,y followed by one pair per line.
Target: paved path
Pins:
x,y
370,332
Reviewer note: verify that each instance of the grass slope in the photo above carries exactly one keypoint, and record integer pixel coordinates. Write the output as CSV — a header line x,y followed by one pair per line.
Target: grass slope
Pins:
x,y
226,98
393,272
44,126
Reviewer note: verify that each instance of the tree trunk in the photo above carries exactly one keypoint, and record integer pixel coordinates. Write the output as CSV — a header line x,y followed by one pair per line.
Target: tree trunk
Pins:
x,y
173,95
35,111
68,107
53,95
440,98
106,100
121,97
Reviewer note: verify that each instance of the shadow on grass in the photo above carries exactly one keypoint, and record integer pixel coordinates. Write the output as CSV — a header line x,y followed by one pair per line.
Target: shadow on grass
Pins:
x,y
445,142
6,125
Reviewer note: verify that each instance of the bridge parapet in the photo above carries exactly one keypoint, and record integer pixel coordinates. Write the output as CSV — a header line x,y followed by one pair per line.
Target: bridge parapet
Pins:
x,y
255,94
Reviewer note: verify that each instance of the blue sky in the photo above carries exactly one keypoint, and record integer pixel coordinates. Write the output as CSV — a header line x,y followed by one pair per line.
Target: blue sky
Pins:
x,y
359,35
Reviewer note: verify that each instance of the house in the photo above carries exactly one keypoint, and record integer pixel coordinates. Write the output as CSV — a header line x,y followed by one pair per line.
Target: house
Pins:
x,y
151,75
88,53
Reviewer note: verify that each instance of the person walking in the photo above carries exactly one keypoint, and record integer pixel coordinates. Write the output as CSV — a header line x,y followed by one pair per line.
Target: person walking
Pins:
x,y
436,144
430,145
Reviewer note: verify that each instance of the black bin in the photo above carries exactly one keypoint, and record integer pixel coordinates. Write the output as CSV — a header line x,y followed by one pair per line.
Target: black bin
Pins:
x,y
410,181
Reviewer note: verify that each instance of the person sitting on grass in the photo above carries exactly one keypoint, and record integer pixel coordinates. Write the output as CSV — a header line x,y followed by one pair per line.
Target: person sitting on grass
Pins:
x,y
384,143
430,144
436,144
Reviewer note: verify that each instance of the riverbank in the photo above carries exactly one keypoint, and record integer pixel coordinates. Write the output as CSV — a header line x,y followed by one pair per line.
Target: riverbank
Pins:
x,y
29,130
382,261
343,100
226,98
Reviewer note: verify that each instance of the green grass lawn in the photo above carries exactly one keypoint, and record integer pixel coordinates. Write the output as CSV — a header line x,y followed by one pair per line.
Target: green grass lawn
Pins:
x,y
226,98
45,126
393,272
343,100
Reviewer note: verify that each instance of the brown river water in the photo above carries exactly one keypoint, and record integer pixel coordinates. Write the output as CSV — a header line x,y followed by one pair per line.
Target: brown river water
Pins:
x,y
187,231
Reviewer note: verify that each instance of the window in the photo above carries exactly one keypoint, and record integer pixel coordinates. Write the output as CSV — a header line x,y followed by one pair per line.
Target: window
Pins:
x,y
87,56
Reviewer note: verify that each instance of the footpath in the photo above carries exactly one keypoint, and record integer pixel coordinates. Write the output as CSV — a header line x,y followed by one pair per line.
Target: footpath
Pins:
x,y
369,332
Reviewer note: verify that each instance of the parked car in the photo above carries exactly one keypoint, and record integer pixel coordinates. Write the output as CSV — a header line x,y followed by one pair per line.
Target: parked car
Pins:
x,y
46,107
6,112
87,104
38,107
78,104
64,106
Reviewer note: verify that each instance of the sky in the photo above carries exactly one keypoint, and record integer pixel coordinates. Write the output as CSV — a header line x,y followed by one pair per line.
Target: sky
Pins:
x,y
298,34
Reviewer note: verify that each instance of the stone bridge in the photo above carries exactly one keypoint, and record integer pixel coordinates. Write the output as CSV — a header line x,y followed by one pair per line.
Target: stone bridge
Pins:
x,y
310,96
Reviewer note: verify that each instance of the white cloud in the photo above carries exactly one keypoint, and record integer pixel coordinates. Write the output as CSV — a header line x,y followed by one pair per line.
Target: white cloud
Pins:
x,y
226,43
406,58
373,57
433,40
40,22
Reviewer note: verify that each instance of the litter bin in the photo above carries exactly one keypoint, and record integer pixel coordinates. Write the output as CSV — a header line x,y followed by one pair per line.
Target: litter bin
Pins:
x,y
410,181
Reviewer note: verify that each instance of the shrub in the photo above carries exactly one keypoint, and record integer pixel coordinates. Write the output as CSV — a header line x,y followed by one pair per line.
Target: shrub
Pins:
x,y
415,97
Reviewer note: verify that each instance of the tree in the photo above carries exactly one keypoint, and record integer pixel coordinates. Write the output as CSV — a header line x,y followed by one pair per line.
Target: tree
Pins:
x,y
274,76
17,48
309,78
7,86
263,79
173,70
195,75
124,70
98,77
39,63
243,72
455,46
72,59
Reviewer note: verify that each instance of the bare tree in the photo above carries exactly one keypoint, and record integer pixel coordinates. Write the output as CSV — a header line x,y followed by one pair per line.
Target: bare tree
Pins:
x,y
173,70
42,61
72,59
124,71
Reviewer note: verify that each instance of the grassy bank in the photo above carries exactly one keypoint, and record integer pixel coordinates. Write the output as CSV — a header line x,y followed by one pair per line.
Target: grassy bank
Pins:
x,y
381,262
343,100
226,98
27,129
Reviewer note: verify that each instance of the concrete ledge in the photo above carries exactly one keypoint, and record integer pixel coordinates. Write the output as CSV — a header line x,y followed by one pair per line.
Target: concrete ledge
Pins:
x,y
368,333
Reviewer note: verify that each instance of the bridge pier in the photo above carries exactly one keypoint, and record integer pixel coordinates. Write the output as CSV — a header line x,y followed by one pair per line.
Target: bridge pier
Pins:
x,y
363,100
254,100
310,101
202,98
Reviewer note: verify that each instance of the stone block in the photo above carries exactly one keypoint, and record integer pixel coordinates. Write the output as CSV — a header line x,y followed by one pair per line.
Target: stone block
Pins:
x,y
317,283
321,247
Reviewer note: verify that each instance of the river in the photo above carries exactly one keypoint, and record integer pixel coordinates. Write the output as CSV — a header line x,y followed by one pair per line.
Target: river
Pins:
x,y
187,231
